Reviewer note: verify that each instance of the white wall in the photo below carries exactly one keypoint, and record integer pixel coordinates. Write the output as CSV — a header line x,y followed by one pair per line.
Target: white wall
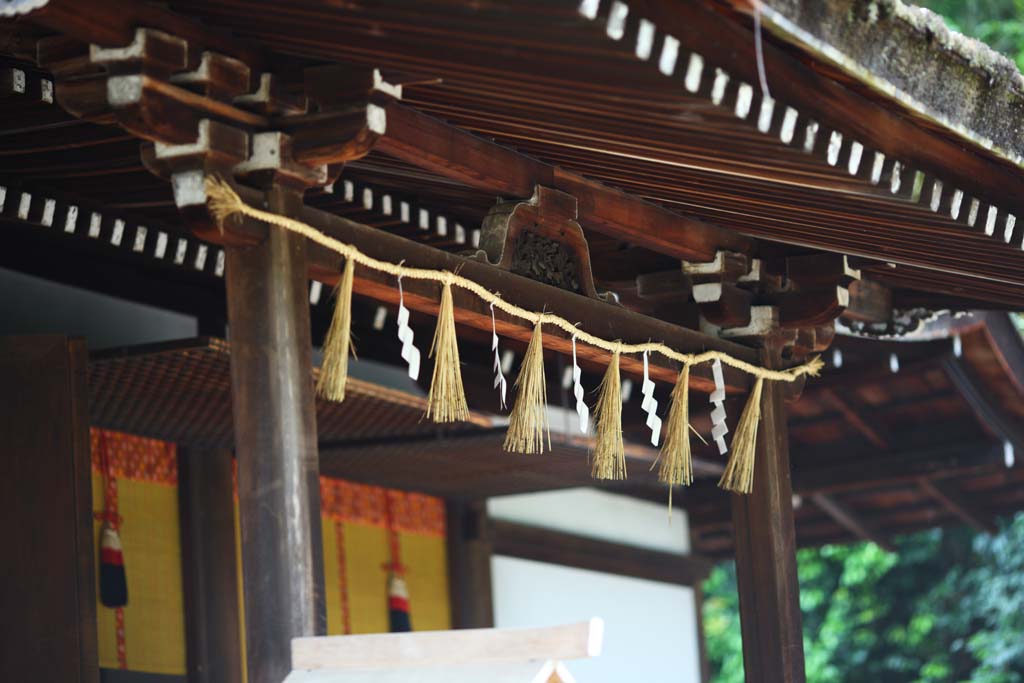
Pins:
x,y
650,627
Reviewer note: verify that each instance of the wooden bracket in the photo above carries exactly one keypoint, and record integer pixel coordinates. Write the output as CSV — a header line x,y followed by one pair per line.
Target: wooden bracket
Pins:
x,y
541,239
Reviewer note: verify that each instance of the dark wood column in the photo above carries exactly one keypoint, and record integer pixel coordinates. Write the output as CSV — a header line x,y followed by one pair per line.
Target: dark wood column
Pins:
x,y
48,591
469,565
275,440
765,539
212,632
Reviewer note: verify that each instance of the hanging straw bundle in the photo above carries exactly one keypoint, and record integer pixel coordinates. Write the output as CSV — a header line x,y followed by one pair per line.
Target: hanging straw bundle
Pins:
x,y
334,370
739,471
447,399
609,451
675,458
528,423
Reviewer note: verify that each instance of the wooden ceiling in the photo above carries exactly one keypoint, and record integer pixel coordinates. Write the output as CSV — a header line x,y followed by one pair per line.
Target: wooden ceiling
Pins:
x,y
570,85
606,95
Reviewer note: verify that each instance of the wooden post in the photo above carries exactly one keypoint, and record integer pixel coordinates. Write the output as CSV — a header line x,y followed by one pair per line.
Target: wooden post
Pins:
x,y
276,447
48,591
210,575
765,541
469,565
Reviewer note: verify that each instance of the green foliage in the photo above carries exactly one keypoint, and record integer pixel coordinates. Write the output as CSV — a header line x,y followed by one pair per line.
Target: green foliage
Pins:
x,y
948,606
999,23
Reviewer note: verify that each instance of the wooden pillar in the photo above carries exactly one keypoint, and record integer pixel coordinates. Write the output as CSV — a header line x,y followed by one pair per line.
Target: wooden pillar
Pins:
x,y
212,633
276,447
48,590
765,542
469,565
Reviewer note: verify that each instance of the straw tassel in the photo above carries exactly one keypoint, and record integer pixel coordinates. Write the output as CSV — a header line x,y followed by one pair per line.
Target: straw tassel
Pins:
x,y
334,370
528,423
447,399
676,460
609,452
739,471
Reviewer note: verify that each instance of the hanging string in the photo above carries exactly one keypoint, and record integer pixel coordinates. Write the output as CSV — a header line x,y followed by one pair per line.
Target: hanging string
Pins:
x,y
759,51
224,202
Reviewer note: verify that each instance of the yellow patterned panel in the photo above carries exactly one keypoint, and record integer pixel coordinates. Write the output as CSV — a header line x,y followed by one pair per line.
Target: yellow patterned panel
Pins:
x,y
332,583
366,548
427,579
154,617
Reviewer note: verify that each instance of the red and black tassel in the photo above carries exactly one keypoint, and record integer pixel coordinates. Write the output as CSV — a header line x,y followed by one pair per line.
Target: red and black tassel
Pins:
x,y
398,604
113,582
398,591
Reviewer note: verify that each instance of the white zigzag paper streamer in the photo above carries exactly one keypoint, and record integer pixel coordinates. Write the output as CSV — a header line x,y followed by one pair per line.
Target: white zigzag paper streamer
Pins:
x,y
718,429
410,354
499,376
577,389
650,405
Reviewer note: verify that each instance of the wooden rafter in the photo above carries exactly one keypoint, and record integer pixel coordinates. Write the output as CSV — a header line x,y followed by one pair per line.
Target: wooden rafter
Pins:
x,y
851,520
946,493
991,416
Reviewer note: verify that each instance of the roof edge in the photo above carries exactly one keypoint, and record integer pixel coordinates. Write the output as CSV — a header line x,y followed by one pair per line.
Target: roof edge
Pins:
x,y
909,55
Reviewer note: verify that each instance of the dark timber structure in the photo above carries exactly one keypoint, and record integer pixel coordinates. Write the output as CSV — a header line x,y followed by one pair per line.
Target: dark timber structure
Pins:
x,y
866,209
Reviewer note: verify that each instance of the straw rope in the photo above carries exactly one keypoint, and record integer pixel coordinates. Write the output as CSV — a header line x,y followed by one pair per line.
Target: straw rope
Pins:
x,y
225,202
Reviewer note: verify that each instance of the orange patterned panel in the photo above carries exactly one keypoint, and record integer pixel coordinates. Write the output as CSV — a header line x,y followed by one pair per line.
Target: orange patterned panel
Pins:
x,y
136,458
362,504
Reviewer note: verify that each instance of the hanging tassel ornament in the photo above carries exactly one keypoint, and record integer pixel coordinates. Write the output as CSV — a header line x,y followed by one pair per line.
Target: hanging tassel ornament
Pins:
x,y
113,581
334,370
609,452
447,399
528,423
739,471
676,460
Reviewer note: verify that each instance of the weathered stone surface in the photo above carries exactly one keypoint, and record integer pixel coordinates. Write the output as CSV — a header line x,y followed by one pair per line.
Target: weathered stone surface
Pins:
x,y
909,54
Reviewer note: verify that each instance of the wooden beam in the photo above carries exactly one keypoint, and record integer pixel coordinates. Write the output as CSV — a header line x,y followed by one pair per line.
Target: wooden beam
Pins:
x,y
847,518
989,413
432,144
554,547
275,439
469,565
765,547
875,433
595,316
856,470
954,500
443,649
49,577
111,23
209,570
